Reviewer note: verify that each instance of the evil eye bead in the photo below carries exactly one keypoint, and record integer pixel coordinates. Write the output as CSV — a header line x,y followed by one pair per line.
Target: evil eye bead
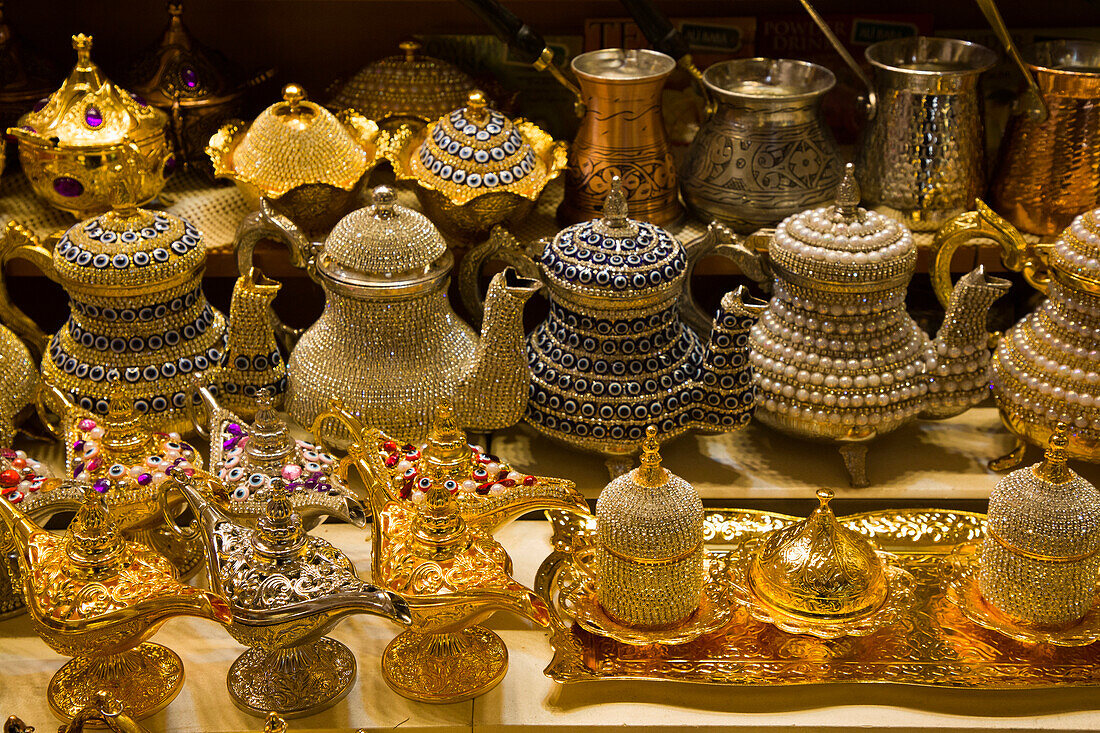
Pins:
x,y
480,473
256,480
313,467
424,483
241,493
173,445
409,473
309,454
155,462
450,485
234,474
326,458
117,470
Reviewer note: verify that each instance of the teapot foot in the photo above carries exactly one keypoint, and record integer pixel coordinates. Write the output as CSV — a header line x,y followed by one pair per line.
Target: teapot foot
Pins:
x,y
186,555
443,668
1009,460
293,681
144,679
855,460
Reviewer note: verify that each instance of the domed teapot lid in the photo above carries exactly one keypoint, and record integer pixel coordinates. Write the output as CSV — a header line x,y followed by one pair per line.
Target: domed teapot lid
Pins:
x,y
476,150
383,242
296,142
405,85
843,244
819,569
1075,255
91,111
614,256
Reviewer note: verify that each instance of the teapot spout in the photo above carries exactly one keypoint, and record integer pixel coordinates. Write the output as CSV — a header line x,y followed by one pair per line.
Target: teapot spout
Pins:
x,y
252,361
493,392
958,362
727,395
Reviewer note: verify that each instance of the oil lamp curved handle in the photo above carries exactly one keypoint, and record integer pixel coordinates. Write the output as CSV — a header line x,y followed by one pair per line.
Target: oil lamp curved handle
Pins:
x,y
984,223
501,246
18,243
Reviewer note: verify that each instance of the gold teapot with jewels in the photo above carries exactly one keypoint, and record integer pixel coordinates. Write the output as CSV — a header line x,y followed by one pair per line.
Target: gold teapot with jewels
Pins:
x,y
616,353
91,137
124,462
475,168
247,459
837,357
388,343
138,313
304,160
1046,368
96,597
286,589
435,508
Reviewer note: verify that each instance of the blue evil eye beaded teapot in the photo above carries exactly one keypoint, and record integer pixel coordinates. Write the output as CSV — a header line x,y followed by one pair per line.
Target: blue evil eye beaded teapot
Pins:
x,y
614,354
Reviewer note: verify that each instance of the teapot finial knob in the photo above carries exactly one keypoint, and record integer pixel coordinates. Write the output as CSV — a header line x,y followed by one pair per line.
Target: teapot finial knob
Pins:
x,y
294,95
476,106
615,210
1054,468
651,473
847,193
411,48
824,496
383,198
82,44
175,8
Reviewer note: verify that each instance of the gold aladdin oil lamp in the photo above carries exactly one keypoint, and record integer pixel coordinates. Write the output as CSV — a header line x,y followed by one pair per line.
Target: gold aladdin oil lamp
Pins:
x,y
1046,368
97,598
20,476
248,459
408,88
474,168
435,508
306,161
127,464
77,147
194,85
820,578
286,589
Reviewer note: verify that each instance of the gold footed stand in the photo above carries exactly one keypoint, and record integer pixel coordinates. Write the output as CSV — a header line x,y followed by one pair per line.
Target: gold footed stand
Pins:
x,y
443,668
147,677
297,681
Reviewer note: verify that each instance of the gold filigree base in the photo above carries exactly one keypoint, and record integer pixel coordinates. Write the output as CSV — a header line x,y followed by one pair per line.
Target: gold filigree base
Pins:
x,y
186,555
443,668
293,682
144,679
963,591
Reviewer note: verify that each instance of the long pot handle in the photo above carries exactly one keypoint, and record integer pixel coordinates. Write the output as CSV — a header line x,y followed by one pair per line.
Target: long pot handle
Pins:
x,y
18,243
872,98
1032,100
984,223
500,246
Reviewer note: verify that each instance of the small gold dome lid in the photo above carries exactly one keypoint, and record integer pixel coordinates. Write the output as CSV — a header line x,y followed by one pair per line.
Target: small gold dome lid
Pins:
x,y
407,85
293,143
91,112
476,150
1076,253
819,569
382,239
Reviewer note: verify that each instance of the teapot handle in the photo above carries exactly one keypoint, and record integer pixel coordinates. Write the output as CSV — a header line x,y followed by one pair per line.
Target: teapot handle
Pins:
x,y
18,243
50,400
984,223
269,224
722,242
501,246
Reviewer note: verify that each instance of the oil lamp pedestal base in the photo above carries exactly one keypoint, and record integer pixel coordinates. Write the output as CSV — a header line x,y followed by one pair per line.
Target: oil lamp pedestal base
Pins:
x,y
144,679
444,668
293,682
186,556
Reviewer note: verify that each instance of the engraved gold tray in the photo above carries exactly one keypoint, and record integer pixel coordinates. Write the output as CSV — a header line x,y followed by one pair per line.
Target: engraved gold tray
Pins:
x,y
934,645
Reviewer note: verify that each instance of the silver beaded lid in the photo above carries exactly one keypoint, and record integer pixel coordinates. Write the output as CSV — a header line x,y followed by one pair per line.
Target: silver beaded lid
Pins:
x,y
382,239
844,243
614,255
1077,250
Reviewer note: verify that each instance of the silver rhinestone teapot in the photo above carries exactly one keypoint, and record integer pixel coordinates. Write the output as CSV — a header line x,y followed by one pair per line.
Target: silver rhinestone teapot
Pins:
x,y
836,356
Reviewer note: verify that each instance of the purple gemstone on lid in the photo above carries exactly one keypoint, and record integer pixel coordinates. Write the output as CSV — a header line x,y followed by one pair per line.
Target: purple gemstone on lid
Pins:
x,y
169,166
234,429
229,443
190,78
68,187
101,485
144,479
139,99
78,468
78,445
41,103
93,116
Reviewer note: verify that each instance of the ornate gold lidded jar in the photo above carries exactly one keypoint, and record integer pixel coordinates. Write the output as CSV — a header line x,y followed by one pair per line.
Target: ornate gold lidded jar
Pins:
x,y
408,88
299,156
650,554
138,312
1041,556
388,344
194,85
475,168
26,78
91,138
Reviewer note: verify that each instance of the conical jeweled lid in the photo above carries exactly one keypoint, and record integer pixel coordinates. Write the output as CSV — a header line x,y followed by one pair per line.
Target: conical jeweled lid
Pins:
x,y
124,438
26,78
476,150
819,569
269,444
279,533
93,542
89,111
1076,253
382,239
181,68
297,142
615,256
843,243
407,85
